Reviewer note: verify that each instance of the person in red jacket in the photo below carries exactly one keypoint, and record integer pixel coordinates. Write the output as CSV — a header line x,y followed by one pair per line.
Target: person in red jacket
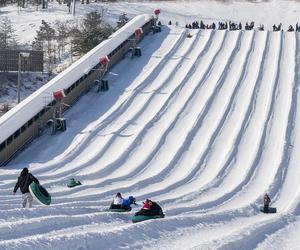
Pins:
x,y
267,201
147,205
24,181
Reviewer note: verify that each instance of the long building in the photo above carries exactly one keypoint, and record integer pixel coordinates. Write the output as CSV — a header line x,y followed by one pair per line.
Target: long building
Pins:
x,y
24,122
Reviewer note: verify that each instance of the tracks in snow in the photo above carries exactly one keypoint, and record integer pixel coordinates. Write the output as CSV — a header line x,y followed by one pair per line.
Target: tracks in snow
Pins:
x,y
205,125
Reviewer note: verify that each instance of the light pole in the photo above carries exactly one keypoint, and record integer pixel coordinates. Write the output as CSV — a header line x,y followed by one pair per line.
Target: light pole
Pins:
x,y
25,55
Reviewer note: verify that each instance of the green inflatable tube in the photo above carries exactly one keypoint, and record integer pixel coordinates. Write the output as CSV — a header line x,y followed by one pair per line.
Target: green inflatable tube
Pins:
x,y
139,218
73,183
40,194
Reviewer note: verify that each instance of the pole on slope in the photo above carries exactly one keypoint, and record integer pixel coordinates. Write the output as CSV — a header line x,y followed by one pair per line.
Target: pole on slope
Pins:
x,y
19,77
74,1
25,55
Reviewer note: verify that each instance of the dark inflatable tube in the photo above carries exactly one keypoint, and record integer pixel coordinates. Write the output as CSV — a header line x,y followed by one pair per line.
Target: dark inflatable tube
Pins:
x,y
73,183
40,194
271,210
118,210
139,218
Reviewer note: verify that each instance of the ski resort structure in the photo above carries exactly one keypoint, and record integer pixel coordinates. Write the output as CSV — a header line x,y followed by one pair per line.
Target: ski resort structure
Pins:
x,y
25,122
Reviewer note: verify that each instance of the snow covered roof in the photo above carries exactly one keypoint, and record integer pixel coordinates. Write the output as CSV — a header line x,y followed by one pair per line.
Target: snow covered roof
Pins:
x,y
20,114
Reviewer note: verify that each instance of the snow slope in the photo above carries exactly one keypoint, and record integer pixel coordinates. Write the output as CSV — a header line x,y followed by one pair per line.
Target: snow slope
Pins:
x,y
202,125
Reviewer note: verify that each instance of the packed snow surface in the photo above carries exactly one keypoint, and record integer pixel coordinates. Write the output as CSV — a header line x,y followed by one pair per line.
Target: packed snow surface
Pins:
x,y
204,125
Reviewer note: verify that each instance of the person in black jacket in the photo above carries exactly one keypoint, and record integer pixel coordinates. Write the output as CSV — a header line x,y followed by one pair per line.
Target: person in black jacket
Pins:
x,y
24,180
151,208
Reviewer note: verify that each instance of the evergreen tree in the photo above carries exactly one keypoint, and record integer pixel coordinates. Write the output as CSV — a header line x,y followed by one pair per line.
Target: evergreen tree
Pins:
x,y
61,35
123,19
76,40
46,35
92,32
37,44
44,41
7,34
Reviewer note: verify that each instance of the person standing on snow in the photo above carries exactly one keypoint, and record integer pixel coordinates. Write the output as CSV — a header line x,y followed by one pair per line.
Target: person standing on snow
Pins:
x,y
267,201
23,182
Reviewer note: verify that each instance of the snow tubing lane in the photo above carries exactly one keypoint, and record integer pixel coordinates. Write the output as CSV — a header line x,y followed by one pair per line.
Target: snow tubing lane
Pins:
x,y
40,194
139,218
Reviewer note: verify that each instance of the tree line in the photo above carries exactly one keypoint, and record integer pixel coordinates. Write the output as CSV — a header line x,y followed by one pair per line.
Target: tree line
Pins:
x,y
62,39
44,3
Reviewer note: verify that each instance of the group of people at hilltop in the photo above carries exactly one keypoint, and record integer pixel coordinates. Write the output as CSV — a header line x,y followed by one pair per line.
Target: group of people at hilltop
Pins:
x,y
150,208
221,25
236,26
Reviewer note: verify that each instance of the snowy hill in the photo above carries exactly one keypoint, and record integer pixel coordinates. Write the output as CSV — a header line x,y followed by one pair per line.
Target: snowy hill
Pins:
x,y
26,23
204,125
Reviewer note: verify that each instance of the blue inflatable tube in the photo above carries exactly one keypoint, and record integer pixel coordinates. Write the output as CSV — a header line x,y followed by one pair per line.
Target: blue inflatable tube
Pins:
x,y
40,194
